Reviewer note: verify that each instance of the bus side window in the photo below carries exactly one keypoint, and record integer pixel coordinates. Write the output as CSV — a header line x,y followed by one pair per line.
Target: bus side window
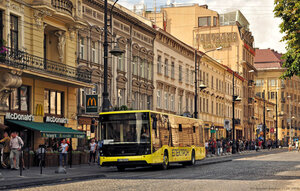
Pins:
x,y
154,124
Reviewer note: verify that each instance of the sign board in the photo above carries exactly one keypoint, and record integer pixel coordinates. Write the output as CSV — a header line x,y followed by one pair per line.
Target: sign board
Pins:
x,y
91,104
52,119
212,131
272,130
19,117
227,124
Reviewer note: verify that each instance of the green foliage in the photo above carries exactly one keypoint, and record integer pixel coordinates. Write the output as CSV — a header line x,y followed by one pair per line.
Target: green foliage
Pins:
x,y
289,12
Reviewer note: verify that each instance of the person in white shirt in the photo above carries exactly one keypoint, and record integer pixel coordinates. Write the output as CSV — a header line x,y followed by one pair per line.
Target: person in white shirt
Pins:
x,y
93,146
63,152
16,144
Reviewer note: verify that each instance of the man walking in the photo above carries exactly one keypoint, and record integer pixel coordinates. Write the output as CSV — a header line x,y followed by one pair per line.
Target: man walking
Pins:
x,y
63,153
16,144
6,149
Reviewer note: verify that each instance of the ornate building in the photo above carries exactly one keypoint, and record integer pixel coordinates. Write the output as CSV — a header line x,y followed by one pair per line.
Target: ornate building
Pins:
x,y
39,74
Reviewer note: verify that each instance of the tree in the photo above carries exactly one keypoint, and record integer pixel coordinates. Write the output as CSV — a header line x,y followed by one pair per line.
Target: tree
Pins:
x,y
289,12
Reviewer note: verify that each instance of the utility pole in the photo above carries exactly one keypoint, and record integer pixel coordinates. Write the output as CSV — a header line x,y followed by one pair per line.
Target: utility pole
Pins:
x,y
233,120
276,119
264,125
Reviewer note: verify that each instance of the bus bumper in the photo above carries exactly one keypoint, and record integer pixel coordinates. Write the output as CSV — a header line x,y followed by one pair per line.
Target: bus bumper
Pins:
x,y
130,161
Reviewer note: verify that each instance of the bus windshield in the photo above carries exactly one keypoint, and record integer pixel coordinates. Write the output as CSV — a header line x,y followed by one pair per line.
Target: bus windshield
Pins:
x,y
125,128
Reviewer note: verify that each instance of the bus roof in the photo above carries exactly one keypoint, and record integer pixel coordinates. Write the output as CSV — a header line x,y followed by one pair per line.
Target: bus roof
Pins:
x,y
143,111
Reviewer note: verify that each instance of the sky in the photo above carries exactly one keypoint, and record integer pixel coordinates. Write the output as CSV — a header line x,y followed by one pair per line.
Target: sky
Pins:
x,y
259,13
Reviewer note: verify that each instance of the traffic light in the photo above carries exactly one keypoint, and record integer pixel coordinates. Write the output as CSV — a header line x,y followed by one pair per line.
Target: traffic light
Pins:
x,y
93,125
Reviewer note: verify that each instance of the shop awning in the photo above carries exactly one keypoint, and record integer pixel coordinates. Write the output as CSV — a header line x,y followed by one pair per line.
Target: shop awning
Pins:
x,y
50,130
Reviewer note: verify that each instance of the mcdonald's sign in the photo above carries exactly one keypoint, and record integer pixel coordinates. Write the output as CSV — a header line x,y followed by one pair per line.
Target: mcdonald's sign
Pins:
x,y
91,105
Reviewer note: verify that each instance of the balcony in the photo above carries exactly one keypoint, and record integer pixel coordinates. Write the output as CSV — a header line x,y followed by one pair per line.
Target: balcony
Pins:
x,y
63,5
23,60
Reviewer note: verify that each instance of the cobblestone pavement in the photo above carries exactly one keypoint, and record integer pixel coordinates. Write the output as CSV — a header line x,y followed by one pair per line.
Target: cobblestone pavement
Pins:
x,y
272,171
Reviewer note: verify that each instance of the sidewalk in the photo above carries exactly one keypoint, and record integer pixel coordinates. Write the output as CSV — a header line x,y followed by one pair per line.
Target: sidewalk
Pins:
x,y
11,179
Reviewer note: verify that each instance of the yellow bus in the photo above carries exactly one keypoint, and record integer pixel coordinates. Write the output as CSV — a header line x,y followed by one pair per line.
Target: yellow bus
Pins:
x,y
144,137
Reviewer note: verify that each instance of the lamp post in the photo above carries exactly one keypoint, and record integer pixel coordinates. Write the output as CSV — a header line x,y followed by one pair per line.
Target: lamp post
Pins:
x,y
116,52
234,99
264,125
276,125
290,119
202,86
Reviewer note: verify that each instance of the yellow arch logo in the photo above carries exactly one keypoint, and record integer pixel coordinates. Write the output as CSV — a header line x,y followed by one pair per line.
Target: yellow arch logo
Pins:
x,y
91,102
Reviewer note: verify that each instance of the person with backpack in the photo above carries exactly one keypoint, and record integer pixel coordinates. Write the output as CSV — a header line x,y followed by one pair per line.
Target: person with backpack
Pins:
x,y
16,144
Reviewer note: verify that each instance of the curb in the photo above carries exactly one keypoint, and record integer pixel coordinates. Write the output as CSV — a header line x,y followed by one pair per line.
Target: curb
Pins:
x,y
51,181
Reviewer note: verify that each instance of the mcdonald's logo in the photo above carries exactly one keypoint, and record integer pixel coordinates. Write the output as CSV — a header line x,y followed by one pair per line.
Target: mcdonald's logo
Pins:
x,y
91,104
39,110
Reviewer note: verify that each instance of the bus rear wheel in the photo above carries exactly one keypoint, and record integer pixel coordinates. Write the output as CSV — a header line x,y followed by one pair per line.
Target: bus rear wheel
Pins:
x,y
165,163
193,158
121,168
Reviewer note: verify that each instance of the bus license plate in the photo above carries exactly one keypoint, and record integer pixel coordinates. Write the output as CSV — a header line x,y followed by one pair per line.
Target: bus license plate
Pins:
x,y
122,160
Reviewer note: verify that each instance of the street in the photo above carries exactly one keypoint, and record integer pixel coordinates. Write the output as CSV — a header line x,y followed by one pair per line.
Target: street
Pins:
x,y
279,171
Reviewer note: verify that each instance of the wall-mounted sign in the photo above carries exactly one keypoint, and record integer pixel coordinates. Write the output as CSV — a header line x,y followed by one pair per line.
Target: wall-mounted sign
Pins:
x,y
91,105
227,124
52,119
213,40
19,117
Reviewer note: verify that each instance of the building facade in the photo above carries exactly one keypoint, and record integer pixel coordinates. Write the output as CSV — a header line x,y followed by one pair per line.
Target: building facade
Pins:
x,y
205,30
174,77
39,74
130,76
269,66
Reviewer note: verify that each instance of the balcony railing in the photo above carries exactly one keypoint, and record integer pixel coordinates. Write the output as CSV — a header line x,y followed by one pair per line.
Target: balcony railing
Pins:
x,y
23,60
63,5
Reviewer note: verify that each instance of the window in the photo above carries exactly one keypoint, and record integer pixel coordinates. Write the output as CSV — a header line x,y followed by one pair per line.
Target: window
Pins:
x,y
187,76
187,104
135,65
53,102
207,105
192,77
93,52
148,72
259,82
121,97
173,70
172,102
180,105
166,67
159,64
14,32
134,100
166,100
1,28
180,127
273,82
158,98
212,82
19,99
215,21
212,107
142,69
180,73
121,62
81,53
204,21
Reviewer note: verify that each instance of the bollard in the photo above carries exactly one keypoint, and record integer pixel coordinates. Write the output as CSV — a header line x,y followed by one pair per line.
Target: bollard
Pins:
x,y
21,163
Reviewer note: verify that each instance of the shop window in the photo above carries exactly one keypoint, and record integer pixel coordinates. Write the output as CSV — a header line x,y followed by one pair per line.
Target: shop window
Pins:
x,y
53,102
14,32
19,99
204,21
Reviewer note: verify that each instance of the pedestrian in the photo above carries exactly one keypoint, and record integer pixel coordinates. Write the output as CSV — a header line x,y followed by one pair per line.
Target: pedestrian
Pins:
x,y
93,147
63,153
206,147
219,146
16,144
6,150
99,148
214,146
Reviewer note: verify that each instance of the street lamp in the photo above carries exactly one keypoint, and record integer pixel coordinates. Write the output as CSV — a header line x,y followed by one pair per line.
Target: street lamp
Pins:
x,y
116,52
290,118
235,98
202,85
276,110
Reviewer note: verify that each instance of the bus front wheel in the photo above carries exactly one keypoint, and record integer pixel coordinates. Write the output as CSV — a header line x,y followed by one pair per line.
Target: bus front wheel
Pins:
x,y
165,163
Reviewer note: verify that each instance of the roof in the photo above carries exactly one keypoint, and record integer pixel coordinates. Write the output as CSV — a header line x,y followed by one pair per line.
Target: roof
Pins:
x,y
267,58
52,130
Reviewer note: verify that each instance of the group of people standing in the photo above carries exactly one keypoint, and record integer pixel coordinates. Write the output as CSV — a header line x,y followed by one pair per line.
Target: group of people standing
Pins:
x,y
94,148
12,149
220,146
